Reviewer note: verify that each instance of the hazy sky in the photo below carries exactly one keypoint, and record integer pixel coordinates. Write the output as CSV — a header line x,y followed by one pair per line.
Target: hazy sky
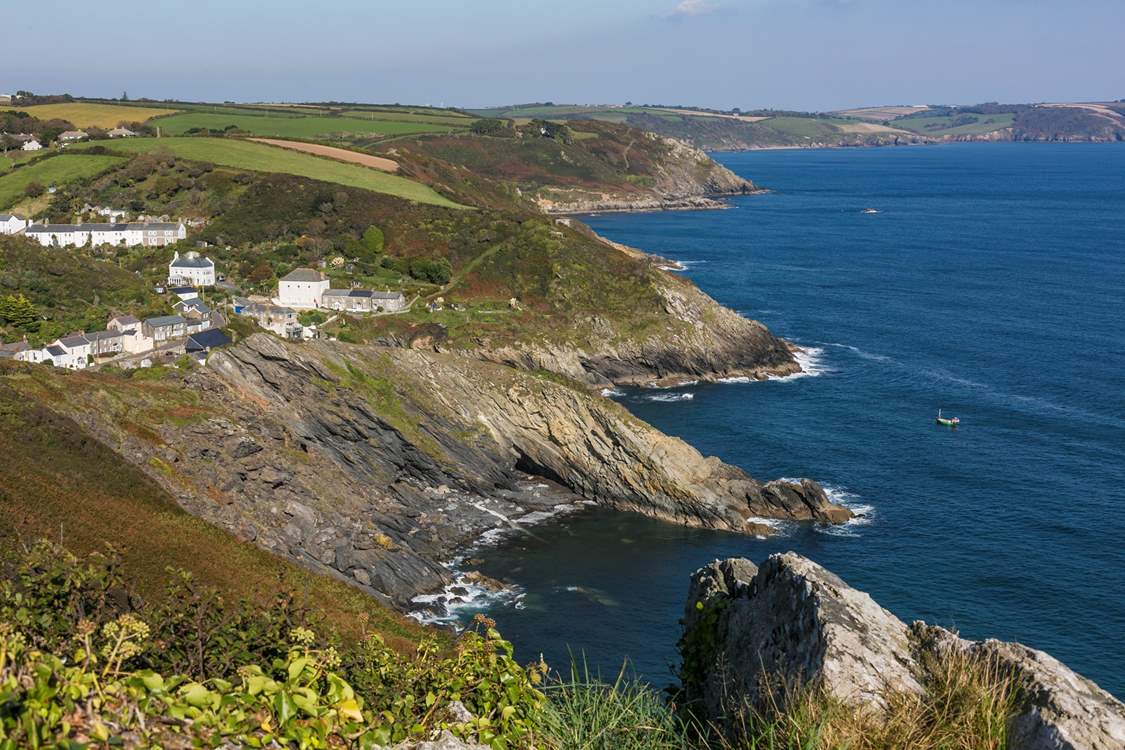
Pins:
x,y
797,54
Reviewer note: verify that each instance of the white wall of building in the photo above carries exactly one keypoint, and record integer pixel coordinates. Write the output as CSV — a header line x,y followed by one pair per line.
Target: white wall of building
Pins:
x,y
301,294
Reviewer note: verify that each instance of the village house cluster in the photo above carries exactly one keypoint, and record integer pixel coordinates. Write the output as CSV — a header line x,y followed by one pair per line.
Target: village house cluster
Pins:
x,y
195,324
29,142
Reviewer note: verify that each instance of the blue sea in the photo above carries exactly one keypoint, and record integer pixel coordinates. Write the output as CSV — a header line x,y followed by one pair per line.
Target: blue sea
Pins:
x,y
990,284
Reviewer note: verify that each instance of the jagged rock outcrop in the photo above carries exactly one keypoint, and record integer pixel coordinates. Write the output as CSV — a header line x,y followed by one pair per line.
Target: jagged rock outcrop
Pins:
x,y
749,629
703,341
377,464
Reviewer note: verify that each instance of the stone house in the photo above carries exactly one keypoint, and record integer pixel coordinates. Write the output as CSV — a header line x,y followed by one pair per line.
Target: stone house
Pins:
x,y
106,343
362,300
280,320
164,328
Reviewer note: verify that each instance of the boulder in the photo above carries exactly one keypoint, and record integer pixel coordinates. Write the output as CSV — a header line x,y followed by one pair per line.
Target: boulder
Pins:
x,y
792,621
748,631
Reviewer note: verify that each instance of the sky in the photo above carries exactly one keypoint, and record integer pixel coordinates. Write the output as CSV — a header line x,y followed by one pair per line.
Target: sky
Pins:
x,y
814,55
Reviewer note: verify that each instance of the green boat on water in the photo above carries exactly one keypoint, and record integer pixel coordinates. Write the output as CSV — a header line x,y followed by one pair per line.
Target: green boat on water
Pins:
x,y
947,421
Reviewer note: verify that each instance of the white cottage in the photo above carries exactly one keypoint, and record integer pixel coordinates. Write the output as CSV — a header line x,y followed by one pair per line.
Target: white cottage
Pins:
x,y
11,224
191,269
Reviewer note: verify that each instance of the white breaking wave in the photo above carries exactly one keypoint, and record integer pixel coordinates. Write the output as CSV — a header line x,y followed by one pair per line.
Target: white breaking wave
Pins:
x,y
612,392
864,514
737,379
811,360
462,596
670,397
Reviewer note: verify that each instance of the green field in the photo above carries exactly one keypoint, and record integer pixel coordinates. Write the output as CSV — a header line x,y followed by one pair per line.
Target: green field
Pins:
x,y
450,120
12,158
939,125
57,170
295,126
258,157
90,114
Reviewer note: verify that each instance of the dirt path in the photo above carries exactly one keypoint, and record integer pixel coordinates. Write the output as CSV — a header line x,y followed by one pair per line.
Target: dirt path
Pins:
x,y
331,152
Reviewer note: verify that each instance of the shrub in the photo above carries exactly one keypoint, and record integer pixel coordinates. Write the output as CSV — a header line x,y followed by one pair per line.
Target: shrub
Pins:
x,y
34,189
81,658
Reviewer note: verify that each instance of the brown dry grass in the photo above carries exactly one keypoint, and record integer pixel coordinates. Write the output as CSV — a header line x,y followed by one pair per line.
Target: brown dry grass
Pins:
x,y
331,152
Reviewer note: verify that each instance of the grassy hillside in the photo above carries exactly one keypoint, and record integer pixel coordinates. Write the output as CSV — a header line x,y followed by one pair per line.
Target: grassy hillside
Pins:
x,y
58,481
262,158
91,114
956,124
56,170
69,289
298,126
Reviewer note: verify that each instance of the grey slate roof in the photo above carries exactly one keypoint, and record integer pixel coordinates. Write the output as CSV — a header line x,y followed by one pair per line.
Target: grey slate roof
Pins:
x,y
44,228
162,321
56,351
303,274
125,320
366,293
77,339
207,340
5,217
100,335
185,262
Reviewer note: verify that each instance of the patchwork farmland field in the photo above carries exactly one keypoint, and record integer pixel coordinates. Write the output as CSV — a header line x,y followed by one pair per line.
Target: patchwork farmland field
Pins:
x,y
258,157
56,170
295,126
91,114
939,125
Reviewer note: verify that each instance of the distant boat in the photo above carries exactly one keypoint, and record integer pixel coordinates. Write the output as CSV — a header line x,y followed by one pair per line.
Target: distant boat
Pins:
x,y
870,210
947,421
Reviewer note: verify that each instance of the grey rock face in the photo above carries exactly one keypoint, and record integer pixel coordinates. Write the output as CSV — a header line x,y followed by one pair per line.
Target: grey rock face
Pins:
x,y
794,621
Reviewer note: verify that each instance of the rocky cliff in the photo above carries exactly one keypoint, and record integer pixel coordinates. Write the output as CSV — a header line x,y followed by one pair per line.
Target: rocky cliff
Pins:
x,y
376,465
684,177
697,340
791,622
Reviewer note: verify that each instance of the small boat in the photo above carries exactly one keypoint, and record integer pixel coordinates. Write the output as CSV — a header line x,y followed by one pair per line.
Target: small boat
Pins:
x,y
870,210
947,421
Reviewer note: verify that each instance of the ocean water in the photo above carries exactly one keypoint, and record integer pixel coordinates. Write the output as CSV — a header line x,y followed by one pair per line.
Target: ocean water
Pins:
x,y
991,284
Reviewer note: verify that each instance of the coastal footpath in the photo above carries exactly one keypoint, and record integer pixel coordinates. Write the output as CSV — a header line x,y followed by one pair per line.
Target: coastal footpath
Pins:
x,y
760,638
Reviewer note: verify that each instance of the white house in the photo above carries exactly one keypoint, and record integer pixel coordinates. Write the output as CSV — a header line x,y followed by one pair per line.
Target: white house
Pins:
x,y
32,145
191,269
11,224
73,135
80,235
71,352
120,132
302,288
